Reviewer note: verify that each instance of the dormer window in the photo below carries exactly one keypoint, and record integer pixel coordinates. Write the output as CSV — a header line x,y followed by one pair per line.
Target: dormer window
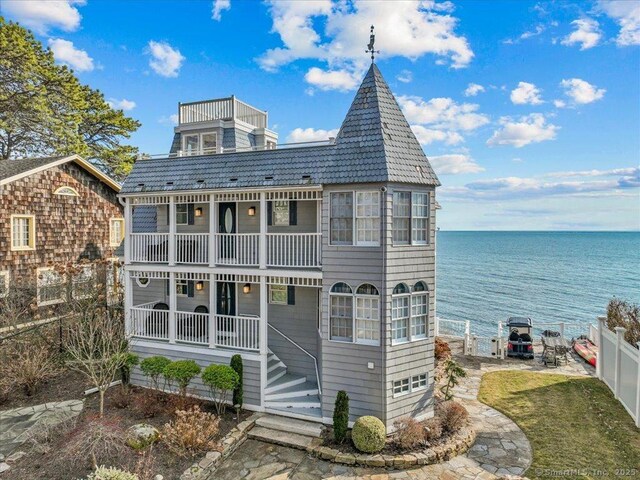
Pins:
x,y
199,143
68,191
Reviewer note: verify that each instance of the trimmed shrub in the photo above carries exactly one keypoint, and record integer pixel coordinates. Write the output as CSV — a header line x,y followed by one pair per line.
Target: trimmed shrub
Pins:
x,y
452,415
153,367
181,372
442,349
369,434
238,394
341,416
130,361
220,379
409,433
432,429
192,432
112,473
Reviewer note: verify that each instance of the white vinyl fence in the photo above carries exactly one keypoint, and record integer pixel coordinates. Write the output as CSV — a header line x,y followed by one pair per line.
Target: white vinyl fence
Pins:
x,y
618,367
475,345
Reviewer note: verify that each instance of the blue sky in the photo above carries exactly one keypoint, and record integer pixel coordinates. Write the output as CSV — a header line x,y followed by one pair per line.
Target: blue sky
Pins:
x,y
529,111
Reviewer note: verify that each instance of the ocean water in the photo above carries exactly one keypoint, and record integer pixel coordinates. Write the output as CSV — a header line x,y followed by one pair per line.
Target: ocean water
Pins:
x,y
486,277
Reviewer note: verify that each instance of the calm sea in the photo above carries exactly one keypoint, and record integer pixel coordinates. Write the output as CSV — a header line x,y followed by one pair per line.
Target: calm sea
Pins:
x,y
485,277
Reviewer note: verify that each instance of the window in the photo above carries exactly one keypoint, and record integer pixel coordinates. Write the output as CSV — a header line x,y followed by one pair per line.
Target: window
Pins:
x,y
23,232
341,313
4,283
182,288
142,282
278,294
281,213
182,214
209,143
364,320
410,218
401,387
116,231
51,287
401,218
68,191
190,145
341,218
82,282
409,313
418,382
367,315
368,218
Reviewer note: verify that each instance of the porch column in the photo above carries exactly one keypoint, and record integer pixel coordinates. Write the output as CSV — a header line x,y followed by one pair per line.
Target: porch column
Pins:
x,y
213,307
128,230
128,301
264,347
213,240
172,232
263,231
172,307
319,231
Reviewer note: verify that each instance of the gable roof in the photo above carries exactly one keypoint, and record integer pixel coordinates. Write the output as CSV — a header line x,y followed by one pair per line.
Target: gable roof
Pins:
x,y
374,144
12,170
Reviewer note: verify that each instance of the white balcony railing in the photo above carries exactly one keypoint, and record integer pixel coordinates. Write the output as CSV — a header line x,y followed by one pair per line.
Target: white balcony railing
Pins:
x,y
294,249
221,109
192,327
192,248
146,322
237,249
240,333
149,247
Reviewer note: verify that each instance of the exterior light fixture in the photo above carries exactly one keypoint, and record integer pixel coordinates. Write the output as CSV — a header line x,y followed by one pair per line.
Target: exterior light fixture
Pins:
x,y
198,211
252,211
200,285
246,288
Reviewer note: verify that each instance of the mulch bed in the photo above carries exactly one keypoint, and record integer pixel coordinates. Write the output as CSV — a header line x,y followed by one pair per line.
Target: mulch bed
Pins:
x,y
53,464
69,385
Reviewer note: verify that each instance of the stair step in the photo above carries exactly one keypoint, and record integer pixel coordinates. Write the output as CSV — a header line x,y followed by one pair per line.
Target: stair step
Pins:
x,y
291,425
283,381
276,374
273,364
312,401
298,390
287,439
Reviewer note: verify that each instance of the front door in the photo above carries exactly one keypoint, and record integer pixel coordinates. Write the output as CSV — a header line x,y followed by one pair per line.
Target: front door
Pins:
x,y
227,225
226,307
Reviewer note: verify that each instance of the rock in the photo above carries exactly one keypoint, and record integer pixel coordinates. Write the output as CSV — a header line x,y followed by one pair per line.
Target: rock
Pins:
x,y
4,467
345,458
14,457
141,435
158,477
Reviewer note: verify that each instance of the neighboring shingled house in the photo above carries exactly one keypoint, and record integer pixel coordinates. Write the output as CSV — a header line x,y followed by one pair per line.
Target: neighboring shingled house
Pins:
x,y
316,263
54,210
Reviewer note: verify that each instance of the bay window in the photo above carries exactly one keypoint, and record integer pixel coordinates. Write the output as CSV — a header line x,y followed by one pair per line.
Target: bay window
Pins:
x,y
355,213
341,313
410,218
341,218
420,218
409,313
400,313
368,218
367,315
363,320
402,218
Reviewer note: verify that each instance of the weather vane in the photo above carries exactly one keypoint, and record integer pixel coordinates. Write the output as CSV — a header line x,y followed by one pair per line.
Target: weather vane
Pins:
x,y
370,49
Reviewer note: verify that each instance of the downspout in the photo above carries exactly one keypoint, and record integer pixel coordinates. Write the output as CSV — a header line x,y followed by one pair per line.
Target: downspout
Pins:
x,y
383,288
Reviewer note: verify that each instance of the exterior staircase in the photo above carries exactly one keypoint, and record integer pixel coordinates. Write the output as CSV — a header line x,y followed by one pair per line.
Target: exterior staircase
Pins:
x,y
291,393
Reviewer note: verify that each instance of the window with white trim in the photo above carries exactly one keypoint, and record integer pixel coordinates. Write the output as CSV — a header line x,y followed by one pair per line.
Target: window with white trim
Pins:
x,y
281,213
400,313
182,214
142,282
82,283
341,218
419,311
116,231
66,191
354,318
341,313
278,294
182,288
409,313
190,144
401,387
51,287
209,143
23,232
367,315
410,218
411,384
368,218
419,382
4,283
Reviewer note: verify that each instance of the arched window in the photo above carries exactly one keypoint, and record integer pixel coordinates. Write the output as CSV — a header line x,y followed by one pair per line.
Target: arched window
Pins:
x,y
400,289
66,190
341,313
419,311
367,314
400,313
420,287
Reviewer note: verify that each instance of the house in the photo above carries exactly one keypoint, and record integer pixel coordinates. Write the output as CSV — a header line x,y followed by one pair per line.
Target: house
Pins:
x,y
316,263
55,210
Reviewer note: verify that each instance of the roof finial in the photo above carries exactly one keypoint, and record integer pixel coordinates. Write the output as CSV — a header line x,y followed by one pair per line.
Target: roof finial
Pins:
x,y
372,39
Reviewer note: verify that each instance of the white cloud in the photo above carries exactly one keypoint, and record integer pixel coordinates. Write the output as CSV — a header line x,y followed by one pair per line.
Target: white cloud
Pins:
x,y
310,135
170,120
473,89
582,92
587,34
218,7
427,136
528,34
342,80
405,76
166,60
442,113
123,104
454,164
559,103
627,14
65,52
528,129
42,15
596,173
337,32
526,93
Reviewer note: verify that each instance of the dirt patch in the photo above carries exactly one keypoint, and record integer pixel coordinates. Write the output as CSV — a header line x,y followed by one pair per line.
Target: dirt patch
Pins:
x,y
69,385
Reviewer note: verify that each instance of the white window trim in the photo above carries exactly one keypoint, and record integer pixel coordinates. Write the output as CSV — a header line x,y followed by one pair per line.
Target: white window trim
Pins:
x,y
354,305
354,222
143,285
273,213
408,319
32,233
112,220
410,295
5,278
74,282
60,190
55,301
412,242
200,149
286,291
411,388
401,393
186,213
180,283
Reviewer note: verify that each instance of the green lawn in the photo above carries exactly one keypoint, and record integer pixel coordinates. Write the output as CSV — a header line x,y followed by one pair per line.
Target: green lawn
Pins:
x,y
573,423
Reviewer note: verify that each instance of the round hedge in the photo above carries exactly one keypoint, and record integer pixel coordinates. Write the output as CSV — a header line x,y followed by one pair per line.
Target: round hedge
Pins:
x,y
181,372
221,377
369,434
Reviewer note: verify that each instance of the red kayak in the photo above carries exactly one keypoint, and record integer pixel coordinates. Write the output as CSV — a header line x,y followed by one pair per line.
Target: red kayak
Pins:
x,y
586,350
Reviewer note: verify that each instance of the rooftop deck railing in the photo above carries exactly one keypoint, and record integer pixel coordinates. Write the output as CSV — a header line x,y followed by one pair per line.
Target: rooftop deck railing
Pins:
x,y
221,109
